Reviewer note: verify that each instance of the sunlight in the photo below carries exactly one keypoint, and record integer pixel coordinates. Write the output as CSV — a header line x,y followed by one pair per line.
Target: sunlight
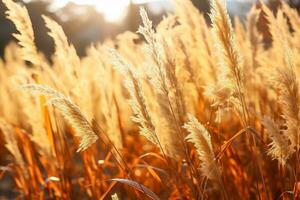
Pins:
x,y
113,10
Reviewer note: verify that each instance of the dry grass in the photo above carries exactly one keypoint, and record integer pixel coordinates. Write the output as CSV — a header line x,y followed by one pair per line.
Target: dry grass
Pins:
x,y
191,111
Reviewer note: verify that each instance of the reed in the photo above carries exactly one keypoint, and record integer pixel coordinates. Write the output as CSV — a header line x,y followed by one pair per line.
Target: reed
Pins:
x,y
166,116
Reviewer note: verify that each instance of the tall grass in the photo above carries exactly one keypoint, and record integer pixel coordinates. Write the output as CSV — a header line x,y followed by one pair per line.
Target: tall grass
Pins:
x,y
192,110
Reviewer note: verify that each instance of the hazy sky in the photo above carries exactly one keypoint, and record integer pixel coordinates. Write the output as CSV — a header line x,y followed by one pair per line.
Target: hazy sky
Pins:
x,y
115,10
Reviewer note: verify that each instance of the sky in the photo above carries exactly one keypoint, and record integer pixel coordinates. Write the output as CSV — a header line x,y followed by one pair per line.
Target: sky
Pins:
x,y
115,10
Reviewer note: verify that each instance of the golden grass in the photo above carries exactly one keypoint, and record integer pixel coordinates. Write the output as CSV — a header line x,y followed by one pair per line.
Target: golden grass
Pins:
x,y
190,111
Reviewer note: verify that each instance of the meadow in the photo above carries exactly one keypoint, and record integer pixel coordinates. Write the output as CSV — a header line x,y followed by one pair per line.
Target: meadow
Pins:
x,y
188,109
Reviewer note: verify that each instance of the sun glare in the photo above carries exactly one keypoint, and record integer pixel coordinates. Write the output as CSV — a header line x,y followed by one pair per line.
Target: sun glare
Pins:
x,y
113,10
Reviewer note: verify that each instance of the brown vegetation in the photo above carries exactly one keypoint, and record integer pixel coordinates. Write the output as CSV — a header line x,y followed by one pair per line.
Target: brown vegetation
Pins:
x,y
192,111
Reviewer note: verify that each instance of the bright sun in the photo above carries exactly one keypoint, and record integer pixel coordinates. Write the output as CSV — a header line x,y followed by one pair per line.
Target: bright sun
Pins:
x,y
113,10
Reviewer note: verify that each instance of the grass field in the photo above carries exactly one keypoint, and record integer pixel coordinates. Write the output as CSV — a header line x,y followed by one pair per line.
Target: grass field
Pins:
x,y
187,109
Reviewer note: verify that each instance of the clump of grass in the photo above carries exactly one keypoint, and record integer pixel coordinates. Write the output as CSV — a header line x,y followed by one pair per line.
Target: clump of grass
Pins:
x,y
202,141
70,111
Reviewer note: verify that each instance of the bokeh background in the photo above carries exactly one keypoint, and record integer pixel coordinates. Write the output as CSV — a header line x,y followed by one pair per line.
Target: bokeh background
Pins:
x,y
90,21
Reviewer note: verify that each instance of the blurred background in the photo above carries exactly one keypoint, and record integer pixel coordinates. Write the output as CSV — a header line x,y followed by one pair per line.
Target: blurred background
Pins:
x,y
90,21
